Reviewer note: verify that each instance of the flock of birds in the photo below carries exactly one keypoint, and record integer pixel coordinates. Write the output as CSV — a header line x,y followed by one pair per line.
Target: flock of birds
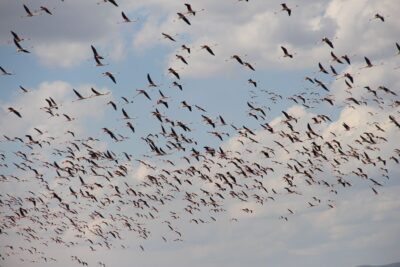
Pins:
x,y
84,195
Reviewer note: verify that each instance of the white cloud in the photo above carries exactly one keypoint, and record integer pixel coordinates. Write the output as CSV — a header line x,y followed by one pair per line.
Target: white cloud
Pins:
x,y
301,33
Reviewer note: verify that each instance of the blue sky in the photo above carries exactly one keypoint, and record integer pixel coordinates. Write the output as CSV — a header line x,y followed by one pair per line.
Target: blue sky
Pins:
x,y
343,226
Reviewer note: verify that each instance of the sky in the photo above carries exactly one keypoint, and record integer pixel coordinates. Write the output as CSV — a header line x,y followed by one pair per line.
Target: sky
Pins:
x,y
322,189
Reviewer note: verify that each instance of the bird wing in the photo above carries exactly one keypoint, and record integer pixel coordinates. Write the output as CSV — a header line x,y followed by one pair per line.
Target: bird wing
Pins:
x,y
27,10
112,77
150,80
209,50
113,2
94,91
94,51
78,94
125,17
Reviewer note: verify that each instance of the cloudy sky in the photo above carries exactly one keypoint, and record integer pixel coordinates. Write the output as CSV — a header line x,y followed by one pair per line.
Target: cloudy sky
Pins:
x,y
307,224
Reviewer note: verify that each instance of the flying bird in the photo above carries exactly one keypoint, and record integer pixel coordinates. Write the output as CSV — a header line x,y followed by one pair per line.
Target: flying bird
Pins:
x,y
206,47
285,8
181,58
130,126
13,110
110,1
254,83
111,76
328,42
322,69
369,64
97,93
80,97
286,53
190,10
392,119
167,36
23,89
172,71
126,116
247,64
151,83
380,17
96,56
335,58
28,12
238,59
4,72
16,37
19,47
184,47
143,92
177,85
183,17
45,9
126,18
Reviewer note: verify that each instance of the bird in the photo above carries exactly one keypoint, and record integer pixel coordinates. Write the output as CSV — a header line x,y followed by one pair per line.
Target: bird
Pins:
x,y
95,53
19,47
151,83
190,10
13,110
322,69
172,71
16,37
80,97
346,126
328,42
335,58
129,124
206,47
285,8
249,66
111,76
24,90
177,85
333,71
143,92
126,18
110,133
4,72
97,93
98,62
238,59
112,104
126,116
346,58
185,105
110,1
319,83
392,119
254,83
183,17
369,64
184,47
380,17
167,36
28,12
286,53
181,58
46,10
